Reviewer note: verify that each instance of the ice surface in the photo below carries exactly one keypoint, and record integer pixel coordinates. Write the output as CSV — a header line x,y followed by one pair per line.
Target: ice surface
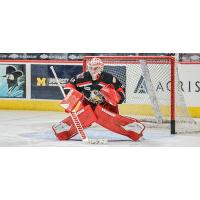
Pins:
x,y
33,128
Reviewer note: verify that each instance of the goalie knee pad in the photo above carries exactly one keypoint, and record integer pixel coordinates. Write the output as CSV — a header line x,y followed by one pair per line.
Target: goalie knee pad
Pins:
x,y
66,129
111,108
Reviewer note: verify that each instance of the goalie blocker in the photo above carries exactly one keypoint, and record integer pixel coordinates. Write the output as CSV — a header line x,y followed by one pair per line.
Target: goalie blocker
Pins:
x,y
105,115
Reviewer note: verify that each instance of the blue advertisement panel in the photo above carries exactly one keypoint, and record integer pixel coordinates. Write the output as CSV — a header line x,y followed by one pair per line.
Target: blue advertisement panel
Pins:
x,y
43,83
12,81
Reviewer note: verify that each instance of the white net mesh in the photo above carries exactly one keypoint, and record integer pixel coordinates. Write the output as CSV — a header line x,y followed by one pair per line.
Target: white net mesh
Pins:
x,y
148,91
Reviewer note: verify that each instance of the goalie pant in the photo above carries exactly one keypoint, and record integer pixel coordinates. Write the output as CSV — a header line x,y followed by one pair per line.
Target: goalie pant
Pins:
x,y
103,116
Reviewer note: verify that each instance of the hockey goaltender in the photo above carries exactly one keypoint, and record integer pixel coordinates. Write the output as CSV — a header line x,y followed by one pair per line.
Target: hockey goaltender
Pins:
x,y
95,95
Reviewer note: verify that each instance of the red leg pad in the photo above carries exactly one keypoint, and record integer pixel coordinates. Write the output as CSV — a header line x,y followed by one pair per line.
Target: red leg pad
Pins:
x,y
111,108
115,122
86,116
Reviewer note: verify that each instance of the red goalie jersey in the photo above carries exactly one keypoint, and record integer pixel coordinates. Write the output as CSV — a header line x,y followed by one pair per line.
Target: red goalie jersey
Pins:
x,y
98,94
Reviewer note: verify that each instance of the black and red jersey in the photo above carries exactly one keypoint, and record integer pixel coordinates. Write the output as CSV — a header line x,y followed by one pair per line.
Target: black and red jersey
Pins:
x,y
84,84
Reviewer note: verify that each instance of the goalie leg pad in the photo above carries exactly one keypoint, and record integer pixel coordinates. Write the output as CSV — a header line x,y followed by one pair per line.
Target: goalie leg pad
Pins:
x,y
62,130
66,129
111,108
118,124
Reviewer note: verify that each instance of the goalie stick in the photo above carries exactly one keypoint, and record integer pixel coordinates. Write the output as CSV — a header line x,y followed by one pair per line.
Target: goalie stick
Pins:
x,y
76,120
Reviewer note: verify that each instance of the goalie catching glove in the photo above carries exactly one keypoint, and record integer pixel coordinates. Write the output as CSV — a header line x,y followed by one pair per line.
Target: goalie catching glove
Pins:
x,y
110,94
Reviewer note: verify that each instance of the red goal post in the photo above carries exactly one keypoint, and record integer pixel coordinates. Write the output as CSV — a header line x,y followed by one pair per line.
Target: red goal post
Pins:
x,y
131,62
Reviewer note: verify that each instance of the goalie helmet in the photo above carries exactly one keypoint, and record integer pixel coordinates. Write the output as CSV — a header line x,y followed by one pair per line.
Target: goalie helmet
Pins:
x,y
95,67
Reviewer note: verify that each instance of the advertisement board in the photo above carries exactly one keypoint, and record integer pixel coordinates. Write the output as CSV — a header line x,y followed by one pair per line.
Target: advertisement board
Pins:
x,y
190,83
43,83
33,56
12,81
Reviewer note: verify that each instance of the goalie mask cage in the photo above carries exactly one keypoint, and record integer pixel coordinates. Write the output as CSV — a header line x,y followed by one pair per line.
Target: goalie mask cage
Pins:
x,y
152,90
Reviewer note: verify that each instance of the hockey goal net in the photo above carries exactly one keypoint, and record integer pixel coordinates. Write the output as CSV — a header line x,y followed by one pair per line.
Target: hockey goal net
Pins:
x,y
152,90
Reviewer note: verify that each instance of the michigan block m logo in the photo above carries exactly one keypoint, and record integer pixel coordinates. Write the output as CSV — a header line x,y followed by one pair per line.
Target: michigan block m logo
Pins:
x,y
41,81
